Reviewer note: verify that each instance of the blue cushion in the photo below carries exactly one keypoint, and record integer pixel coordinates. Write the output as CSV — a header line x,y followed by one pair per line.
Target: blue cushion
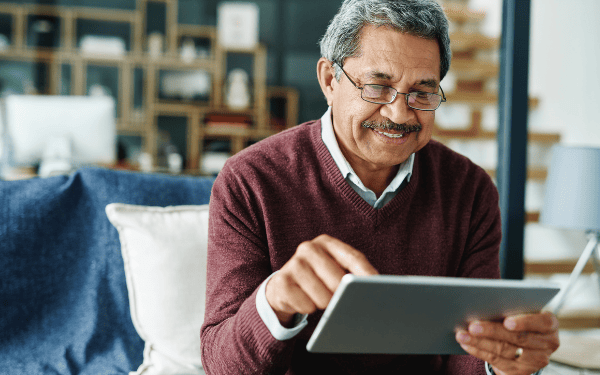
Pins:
x,y
63,297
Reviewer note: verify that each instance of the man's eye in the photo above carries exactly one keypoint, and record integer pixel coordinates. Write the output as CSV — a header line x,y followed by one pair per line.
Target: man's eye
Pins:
x,y
421,95
373,91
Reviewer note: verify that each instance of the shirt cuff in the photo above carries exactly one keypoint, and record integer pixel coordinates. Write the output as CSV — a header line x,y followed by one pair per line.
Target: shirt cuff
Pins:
x,y
268,316
490,371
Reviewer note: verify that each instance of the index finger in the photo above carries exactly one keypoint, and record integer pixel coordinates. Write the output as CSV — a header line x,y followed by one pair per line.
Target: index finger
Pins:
x,y
544,322
348,257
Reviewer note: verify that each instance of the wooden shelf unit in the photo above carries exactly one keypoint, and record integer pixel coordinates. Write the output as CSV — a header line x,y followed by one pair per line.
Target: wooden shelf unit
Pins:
x,y
461,14
142,121
568,319
555,266
473,68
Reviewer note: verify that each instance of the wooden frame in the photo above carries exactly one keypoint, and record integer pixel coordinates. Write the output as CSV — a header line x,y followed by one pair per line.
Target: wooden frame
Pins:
x,y
291,97
143,122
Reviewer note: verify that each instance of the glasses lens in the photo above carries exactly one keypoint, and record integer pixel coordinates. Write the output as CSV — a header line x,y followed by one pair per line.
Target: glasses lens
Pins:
x,y
378,93
424,100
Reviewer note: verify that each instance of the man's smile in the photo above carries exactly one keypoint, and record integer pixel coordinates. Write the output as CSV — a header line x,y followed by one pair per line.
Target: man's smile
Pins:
x,y
391,135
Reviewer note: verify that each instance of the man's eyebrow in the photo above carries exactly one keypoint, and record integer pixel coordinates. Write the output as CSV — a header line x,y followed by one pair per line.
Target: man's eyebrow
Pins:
x,y
375,74
428,83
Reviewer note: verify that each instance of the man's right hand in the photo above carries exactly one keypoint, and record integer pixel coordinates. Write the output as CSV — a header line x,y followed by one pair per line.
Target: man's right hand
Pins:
x,y
309,279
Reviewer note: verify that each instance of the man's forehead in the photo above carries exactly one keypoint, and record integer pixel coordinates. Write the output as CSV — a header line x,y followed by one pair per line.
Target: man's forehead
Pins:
x,y
386,52
377,74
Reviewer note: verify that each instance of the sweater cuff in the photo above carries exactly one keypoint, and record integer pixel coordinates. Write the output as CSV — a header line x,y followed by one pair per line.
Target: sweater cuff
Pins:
x,y
256,337
268,316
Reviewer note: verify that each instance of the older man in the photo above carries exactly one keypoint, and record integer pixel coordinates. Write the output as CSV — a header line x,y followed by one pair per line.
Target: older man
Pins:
x,y
362,190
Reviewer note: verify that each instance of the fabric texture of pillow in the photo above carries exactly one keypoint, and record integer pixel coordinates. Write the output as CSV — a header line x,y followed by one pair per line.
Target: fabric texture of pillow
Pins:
x,y
164,252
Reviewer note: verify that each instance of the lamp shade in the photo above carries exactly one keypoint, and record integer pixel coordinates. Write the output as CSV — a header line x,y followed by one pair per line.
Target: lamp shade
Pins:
x,y
572,198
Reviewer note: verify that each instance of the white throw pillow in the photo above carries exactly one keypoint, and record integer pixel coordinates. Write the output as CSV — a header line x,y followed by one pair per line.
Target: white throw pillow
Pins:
x,y
164,251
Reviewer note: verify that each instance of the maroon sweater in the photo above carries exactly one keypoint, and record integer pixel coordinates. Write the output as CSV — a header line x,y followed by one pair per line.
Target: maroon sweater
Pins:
x,y
287,189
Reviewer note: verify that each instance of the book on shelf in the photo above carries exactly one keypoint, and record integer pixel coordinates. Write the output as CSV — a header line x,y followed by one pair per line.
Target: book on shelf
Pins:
x,y
228,121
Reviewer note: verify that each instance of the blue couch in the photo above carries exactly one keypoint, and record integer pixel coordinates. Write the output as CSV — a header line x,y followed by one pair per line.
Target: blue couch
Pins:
x,y
63,297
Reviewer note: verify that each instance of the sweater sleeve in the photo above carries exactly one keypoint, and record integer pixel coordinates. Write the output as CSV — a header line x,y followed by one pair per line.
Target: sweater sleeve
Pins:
x,y
481,253
234,339
464,364
480,259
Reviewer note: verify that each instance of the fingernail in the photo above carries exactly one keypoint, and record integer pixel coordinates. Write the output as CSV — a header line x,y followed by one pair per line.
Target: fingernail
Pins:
x,y
464,337
510,324
476,328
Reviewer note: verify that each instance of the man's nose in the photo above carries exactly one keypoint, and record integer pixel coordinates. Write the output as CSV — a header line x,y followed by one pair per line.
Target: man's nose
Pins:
x,y
398,111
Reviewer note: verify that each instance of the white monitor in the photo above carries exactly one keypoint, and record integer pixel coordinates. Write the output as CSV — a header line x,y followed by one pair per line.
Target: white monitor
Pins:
x,y
86,124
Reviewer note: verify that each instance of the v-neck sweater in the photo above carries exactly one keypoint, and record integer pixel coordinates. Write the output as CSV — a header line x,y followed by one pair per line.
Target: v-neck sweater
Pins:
x,y
287,189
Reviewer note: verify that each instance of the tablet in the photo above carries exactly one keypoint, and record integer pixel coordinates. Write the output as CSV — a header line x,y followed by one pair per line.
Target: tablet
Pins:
x,y
386,314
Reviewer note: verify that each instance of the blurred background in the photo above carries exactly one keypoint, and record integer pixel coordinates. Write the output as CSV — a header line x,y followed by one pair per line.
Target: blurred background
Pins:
x,y
192,82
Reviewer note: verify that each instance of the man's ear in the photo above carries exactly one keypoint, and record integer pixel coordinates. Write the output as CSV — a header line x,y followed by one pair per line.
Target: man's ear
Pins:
x,y
326,77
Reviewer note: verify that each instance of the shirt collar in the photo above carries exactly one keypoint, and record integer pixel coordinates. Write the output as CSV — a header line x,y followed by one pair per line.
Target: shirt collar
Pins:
x,y
328,136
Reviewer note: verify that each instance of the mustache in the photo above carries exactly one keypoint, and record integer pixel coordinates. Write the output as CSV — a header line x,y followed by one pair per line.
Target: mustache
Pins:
x,y
390,125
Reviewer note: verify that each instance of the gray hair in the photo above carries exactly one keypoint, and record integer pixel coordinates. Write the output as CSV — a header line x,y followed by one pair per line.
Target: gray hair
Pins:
x,y
423,18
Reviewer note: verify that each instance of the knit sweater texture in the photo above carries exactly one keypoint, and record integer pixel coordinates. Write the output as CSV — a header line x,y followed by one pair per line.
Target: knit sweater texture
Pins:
x,y
287,189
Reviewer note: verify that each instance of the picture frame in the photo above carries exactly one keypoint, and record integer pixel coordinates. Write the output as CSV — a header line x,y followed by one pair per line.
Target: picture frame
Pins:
x,y
237,25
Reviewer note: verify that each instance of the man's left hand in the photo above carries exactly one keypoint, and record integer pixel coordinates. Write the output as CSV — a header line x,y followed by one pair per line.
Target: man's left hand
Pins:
x,y
520,345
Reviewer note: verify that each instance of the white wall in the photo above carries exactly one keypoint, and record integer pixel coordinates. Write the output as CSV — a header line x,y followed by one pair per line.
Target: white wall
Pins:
x,y
564,65
565,68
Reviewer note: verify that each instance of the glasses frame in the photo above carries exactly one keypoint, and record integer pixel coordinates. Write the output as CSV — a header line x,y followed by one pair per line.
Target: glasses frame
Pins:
x,y
442,100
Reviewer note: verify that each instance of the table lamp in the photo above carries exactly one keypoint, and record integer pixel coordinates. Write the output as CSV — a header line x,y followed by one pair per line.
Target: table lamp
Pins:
x,y
572,201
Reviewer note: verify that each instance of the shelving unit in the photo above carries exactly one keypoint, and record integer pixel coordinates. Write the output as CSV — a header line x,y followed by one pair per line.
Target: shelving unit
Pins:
x,y
474,70
140,71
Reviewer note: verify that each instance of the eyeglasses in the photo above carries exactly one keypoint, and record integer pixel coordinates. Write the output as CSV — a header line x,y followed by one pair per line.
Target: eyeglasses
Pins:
x,y
379,94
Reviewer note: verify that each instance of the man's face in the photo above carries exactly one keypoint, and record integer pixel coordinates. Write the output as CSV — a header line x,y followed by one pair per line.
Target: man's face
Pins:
x,y
405,62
